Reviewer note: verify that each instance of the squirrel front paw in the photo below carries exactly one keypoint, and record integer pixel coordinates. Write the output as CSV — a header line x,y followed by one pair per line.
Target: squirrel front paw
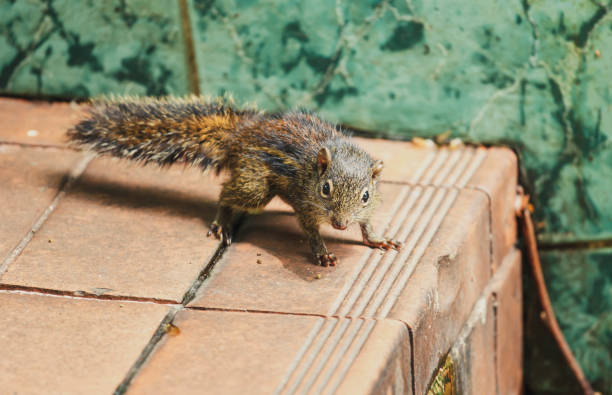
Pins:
x,y
220,233
328,259
384,244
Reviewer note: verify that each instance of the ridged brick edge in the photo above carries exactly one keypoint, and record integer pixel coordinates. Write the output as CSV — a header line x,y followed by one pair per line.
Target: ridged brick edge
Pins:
x,y
372,290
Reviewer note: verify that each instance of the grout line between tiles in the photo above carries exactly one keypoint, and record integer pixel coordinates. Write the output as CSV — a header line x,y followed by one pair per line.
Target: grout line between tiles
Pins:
x,y
412,357
72,177
293,313
35,145
204,274
83,295
231,310
495,340
159,334
147,351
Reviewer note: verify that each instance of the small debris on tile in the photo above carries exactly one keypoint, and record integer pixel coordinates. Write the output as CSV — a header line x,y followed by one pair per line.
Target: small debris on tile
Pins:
x,y
50,241
423,143
172,329
259,254
455,143
318,276
259,261
32,133
100,291
443,137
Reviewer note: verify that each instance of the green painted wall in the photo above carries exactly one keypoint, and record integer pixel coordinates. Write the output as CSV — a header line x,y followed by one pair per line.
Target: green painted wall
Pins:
x,y
72,48
534,75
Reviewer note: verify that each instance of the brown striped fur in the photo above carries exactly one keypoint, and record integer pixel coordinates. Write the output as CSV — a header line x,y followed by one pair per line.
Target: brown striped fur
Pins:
x,y
291,155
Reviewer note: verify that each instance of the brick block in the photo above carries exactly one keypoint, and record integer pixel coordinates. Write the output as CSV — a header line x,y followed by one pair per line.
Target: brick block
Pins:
x,y
124,230
474,351
486,355
220,352
30,178
444,283
60,345
494,171
500,187
32,122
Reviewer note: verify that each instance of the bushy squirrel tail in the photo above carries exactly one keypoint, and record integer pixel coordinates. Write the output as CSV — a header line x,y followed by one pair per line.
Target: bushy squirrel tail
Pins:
x,y
192,130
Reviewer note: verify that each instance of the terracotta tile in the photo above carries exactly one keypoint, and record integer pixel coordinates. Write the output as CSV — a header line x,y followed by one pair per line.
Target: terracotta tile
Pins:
x,y
232,353
431,285
286,278
393,377
509,298
124,230
494,171
32,122
403,161
70,346
352,356
30,179
441,166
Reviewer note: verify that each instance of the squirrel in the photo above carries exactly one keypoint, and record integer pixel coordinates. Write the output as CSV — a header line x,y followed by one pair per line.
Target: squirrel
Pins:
x,y
308,162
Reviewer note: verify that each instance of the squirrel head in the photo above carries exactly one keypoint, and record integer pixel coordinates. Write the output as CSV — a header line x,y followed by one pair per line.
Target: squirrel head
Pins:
x,y
346,188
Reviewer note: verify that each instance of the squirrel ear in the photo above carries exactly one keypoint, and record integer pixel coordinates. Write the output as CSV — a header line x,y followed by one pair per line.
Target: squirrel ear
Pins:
x,y
323,160
377,168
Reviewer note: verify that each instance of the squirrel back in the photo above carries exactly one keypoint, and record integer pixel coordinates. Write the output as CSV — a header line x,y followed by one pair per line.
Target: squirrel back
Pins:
x,y
162,131
201,132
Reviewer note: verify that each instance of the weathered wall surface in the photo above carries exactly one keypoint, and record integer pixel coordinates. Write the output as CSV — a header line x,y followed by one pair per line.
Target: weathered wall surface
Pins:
x,y
534,75
85,48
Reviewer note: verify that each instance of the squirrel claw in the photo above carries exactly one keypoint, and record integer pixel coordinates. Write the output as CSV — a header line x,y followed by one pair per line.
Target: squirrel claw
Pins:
x,y
219,233
214,230
385,244
327,259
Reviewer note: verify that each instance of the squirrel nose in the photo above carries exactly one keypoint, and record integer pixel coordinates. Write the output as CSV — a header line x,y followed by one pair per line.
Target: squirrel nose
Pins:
x,y
338,225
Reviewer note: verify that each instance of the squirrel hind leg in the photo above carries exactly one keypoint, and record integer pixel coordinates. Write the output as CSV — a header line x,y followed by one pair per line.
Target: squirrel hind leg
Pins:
x,y
246,192
238,196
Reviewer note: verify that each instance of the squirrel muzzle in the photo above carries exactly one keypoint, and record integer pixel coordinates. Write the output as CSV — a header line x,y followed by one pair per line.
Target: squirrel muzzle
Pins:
x,y
339,224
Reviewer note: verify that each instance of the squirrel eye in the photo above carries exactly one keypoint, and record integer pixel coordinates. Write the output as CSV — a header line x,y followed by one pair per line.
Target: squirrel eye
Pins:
x,y
326,189
365,197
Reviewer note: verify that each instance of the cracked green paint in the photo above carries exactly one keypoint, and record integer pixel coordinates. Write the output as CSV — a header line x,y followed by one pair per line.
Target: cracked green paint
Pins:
x,y
61,48
522,73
